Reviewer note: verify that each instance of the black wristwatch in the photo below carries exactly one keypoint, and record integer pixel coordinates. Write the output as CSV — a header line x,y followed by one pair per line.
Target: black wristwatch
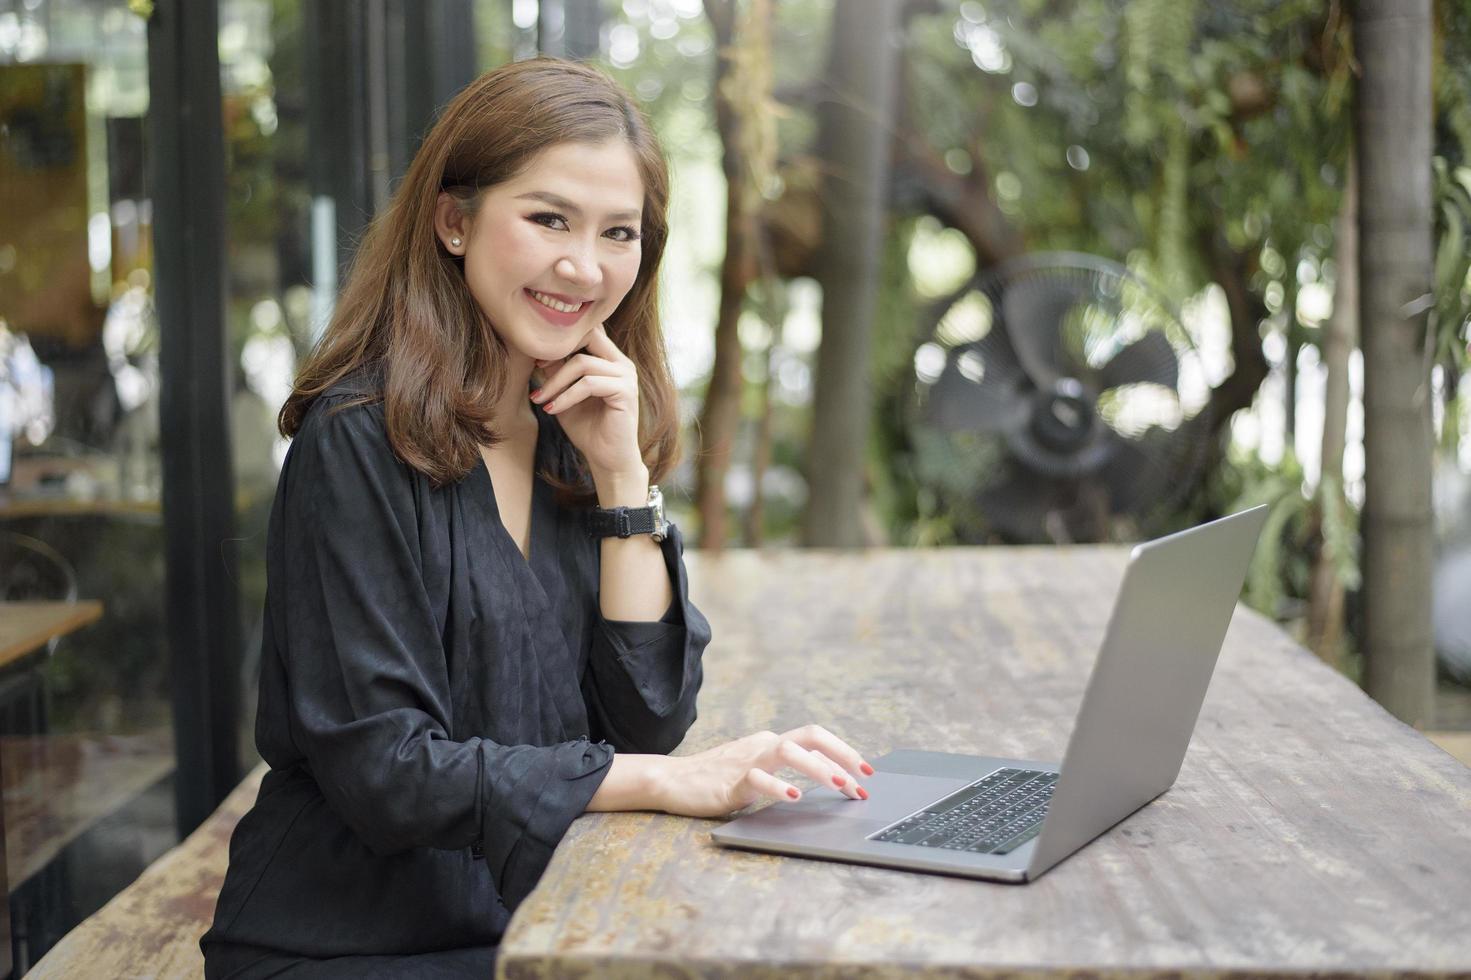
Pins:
x,y
625,522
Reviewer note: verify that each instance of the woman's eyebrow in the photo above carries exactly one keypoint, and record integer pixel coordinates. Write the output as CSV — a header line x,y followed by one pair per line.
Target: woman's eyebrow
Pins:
x,y
556,200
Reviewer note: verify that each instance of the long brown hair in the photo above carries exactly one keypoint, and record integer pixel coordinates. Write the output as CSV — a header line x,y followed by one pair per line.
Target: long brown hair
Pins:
x,y
406,315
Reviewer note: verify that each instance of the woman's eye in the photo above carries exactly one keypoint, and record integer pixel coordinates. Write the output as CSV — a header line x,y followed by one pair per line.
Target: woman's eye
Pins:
x,y
550,219
547,216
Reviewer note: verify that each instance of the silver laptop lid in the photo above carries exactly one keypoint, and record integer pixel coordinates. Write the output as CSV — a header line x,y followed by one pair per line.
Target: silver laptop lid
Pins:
x,y
1149,680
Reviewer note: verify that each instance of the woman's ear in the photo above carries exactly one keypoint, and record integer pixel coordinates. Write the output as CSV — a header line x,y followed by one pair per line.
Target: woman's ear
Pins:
x,y
450,224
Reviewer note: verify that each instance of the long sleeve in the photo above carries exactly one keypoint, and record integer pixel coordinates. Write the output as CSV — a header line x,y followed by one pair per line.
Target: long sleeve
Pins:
x,y
367,679
642,678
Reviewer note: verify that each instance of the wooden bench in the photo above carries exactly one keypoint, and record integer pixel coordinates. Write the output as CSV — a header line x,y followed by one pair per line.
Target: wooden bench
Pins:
x,y
152,927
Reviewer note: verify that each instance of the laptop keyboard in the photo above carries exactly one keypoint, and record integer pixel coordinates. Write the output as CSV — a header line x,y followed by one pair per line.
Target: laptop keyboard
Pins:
x,y
994,815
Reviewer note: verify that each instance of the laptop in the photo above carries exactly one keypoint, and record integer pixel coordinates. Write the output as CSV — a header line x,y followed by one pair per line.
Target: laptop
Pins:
x,y
1013,819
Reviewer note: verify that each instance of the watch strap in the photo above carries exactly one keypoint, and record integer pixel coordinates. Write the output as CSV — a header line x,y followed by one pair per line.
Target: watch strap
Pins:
x,y
620,522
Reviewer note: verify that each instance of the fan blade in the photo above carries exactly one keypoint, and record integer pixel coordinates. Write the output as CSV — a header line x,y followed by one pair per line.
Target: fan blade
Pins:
x,y
1017,506
1132,475
978,390
1033,311
1151,358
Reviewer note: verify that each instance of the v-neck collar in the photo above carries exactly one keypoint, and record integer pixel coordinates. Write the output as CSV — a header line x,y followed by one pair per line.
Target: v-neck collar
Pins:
x,y
539,589
542,542
540,582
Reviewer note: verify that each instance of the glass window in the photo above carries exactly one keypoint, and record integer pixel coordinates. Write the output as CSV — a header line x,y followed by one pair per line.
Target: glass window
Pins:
x,y
86,741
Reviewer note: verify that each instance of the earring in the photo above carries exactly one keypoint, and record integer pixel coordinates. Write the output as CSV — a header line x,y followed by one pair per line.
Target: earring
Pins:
x,y
456,242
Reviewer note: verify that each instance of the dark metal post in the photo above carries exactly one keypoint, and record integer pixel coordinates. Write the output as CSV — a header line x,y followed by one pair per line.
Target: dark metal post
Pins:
x,y
187,185
453,43
409,81
382,70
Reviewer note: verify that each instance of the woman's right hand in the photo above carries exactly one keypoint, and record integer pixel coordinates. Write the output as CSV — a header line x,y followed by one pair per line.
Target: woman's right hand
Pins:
x,y
732,776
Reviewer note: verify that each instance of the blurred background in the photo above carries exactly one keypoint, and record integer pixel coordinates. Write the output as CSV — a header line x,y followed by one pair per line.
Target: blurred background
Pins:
x,y
941,273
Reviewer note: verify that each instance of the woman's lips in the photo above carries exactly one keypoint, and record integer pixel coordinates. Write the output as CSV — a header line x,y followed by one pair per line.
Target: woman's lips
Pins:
x,y
555,316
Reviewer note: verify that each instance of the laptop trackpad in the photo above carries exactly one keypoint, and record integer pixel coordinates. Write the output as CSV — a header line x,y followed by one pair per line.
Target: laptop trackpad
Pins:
x,y
892,795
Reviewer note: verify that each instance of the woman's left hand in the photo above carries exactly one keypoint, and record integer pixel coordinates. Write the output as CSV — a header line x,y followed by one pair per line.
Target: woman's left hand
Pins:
x,y
594,395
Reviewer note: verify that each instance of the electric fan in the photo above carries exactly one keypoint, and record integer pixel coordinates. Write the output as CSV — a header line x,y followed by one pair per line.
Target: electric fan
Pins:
x,y
1060,399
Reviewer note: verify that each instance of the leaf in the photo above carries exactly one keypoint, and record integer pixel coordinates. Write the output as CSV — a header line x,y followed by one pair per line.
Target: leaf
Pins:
x,y
1450,256
1463,177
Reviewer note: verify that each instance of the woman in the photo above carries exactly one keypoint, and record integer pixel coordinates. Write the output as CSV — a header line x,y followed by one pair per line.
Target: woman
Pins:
x,y
461,652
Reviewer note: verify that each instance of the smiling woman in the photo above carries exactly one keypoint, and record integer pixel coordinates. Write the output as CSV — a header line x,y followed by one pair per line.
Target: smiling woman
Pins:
x,y
539,177
461,652
528,267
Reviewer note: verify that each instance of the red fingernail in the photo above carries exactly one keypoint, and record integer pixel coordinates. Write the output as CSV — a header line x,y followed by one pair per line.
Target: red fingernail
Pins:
x,y
862,793
866,769
793,793
839,781
534,393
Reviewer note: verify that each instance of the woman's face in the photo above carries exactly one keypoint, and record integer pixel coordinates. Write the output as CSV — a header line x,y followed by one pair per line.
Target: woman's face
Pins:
x,y
564,231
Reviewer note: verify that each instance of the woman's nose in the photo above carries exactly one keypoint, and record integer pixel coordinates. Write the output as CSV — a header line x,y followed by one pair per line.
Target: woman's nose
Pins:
x,y
582,270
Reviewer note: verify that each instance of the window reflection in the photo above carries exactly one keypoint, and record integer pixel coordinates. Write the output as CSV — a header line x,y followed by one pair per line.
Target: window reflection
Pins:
x,y
86,741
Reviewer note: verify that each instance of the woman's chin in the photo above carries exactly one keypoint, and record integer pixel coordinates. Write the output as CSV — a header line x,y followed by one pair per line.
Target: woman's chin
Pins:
x,y
561,351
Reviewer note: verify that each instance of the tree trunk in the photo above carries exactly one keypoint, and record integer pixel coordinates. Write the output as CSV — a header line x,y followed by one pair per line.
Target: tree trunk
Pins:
x,y
1392,41
720,414
582,29
1291,350
549,28
854,128
1340,335
773,309
569,28
1232,271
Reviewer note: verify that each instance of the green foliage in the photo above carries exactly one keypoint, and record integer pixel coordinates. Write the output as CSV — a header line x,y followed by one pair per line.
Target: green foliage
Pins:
x,y
1132,129
1450,318
1280,567
1301,519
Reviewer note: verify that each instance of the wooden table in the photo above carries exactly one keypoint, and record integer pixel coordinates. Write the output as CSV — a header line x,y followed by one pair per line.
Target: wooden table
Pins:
x,y
1308,832
16,508
27,626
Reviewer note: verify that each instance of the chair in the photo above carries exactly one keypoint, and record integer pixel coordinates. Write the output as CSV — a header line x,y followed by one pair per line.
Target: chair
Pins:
x,y
31,569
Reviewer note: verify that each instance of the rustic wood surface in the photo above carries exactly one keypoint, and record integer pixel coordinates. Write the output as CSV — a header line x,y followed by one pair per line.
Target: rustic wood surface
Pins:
x,y
27,626
1308,832
58,786
151,929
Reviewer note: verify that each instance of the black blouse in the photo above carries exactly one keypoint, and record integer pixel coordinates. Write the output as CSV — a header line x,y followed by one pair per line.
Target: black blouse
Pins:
x,y
435,709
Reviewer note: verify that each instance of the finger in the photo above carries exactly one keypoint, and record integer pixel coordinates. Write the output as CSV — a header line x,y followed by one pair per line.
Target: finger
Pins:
x,y
577,366
816,766
543,372
766,784
549,366
589,386
819,738
599,343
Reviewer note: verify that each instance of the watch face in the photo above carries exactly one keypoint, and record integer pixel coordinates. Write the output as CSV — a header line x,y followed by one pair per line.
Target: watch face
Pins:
x,y
656,504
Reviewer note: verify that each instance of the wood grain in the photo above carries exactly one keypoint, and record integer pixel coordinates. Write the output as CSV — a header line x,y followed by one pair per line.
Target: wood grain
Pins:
x,y
1309,831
